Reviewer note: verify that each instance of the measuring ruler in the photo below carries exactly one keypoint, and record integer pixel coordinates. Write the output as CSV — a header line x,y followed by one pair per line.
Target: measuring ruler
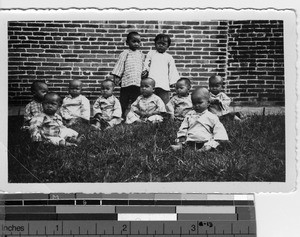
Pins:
x,y
203,215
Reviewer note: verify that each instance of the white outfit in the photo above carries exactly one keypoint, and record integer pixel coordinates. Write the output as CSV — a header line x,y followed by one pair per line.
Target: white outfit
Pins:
x,y
161,68
78,107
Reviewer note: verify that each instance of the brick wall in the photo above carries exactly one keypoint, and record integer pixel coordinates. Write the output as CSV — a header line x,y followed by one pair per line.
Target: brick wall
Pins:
x,y
248,54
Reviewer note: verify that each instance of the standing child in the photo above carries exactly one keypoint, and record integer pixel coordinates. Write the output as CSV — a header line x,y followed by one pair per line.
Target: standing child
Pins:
x,y
128,70
48,127
200,129
160,66
75,107
107,109
148,106
219,101
181,103
38,90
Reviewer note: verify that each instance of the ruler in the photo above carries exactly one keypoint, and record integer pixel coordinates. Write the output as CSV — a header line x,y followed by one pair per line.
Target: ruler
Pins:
x,y
56,214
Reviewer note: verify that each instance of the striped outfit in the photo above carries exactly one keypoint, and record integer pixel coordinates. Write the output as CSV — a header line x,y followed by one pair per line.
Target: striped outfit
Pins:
x,y
129,67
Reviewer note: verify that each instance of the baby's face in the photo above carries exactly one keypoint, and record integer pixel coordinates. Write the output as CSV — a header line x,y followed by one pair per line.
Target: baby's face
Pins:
x,y
51,104
147,88
40,92
134,42
162,45
107,89
182,89
215,87
200,103
75,88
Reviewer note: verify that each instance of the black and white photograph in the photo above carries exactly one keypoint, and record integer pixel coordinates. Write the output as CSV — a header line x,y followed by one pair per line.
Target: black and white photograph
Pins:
x,y
165,98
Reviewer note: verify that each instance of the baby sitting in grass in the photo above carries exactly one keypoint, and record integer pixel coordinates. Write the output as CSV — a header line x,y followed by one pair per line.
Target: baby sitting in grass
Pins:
x,y
148,106
75,107
181,103
107,108
219,101
200,128
48,127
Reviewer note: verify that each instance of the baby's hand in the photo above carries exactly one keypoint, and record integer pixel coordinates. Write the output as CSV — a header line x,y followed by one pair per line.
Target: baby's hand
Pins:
x,y
144,74
143,114
37,137
117,80
205,148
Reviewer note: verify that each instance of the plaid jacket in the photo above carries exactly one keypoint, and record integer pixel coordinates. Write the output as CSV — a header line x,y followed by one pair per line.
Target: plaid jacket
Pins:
x,y
33,108
129,67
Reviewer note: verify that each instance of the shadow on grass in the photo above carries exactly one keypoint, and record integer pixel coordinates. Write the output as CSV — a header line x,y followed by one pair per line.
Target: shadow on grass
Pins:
x,y
141,153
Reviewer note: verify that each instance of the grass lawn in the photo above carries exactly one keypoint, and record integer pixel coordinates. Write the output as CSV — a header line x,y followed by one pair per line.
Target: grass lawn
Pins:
x,y
141,153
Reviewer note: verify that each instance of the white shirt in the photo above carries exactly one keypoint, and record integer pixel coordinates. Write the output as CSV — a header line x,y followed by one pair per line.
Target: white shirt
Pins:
x,y
161,68
78,107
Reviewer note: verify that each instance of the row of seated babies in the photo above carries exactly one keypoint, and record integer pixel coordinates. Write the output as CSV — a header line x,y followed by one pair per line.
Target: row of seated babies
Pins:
x,y
49,118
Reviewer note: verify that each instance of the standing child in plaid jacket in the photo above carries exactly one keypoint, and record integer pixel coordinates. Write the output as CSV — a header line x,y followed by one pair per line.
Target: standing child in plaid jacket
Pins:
x,y
128,70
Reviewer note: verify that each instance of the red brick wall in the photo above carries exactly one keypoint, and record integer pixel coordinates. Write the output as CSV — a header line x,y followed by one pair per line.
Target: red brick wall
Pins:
x,y
248,54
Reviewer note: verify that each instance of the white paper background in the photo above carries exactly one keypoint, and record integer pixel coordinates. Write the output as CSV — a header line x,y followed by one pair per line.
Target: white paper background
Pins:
x,y
278,215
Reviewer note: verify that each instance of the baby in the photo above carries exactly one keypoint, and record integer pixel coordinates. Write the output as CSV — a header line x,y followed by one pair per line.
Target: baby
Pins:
x,y
107,109
200,128
128,71
75,107
148,106
48,127
38,90
160,66
181,103
219,101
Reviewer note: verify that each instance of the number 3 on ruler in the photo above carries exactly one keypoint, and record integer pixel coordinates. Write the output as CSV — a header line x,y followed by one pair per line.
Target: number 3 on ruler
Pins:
x,y
193,227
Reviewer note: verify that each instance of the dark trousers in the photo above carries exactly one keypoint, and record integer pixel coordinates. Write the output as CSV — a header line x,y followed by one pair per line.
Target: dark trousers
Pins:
x,y
163,94
127,96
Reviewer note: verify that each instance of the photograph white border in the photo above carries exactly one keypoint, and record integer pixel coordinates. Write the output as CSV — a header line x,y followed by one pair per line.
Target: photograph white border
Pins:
x,y
287,16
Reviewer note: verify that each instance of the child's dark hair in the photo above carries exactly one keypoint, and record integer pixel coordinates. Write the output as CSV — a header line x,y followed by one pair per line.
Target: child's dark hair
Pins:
x,y
56,95
131,34
215,77
109,80
186,81
152,80
35,85
163,36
